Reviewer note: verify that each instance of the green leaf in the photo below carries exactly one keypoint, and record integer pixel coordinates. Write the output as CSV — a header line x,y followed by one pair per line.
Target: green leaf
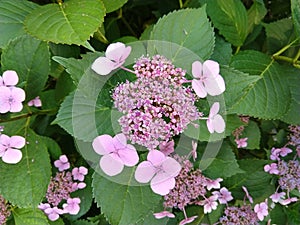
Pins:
x,y
71,22
267,98
230,17
223,165
52,146
254,179
222,52
252,132
29,216
12,16
111,6
30,58
189,28
295,8
26,182
123,204
279,34
255,14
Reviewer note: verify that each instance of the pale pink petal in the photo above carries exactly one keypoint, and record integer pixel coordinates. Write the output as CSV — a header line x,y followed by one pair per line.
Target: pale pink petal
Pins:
x,y
215,86
163,214
110,165
197,69
218,124
1,81
125,54
162,183
167,148
10,78
119,141
18,94
214,109
199,89
12,156
144,172
211,69
156,157
4,99
17,141
103,144
209,125
115,51
4,140
187,220
103,66
171,167
53,216
129,156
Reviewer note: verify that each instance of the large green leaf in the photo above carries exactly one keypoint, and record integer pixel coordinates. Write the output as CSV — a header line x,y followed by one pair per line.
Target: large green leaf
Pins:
x,y
230,17
267,98
12,15
123,204
31,59
26,182
111,6
252,132
295,8
188,28
29,216
71,22
222,52
255,14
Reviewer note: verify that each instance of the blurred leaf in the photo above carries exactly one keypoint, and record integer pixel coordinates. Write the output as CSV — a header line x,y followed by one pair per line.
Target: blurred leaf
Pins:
x,y
12,16
123,204
223,165
29,216
26,182
252,132
189,28
267,98
30,58
111,6
71,22
254,179
277,214
295,8
64,86
255,14
230,17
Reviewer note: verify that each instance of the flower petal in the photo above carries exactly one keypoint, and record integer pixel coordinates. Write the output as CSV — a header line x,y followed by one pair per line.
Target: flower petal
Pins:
x,y
115,51
17,141
199,89
10,78
103,66
211,69
215,86
144,172
156,157
171,167
103,144
18,94
197,69
214,109
162,183
12,156
4,97
218,123
129,156
210,126
120,141
110,165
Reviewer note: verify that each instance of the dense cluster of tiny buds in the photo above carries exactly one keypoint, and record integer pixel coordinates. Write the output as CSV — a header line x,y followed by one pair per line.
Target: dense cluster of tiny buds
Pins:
x,y
158,67
190,185
241,142
4,210
156,108
294,137
289,173
239,215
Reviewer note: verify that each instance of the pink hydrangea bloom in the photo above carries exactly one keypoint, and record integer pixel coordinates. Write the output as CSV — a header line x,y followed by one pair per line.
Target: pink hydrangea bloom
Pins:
x,y
187,220
209,204
9,78
215,122
210,184
116,153
272,168
276,197
167,148
224,195
11,99
163,214
115,57
35,102
261,210
53,213
72,206
9,148
79,173
160,169
284,151
207,79
241,143
247,194
288,201
62,163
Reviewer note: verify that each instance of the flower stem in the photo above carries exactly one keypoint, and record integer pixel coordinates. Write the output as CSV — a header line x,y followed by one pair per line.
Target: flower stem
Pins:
x,y
180,4
26,115
126,69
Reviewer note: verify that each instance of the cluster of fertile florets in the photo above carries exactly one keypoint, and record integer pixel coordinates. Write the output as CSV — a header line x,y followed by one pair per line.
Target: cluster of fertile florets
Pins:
x,y
4,210
156,106
60,188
